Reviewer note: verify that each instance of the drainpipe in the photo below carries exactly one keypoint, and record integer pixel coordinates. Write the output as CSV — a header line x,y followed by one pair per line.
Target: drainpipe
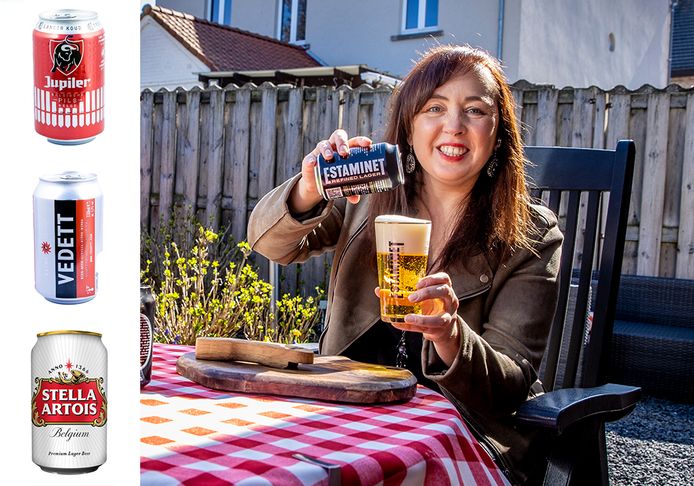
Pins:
x,y
673,6
500,37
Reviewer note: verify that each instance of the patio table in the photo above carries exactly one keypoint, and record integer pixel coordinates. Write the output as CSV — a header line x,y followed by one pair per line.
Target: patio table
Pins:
x,y
194,435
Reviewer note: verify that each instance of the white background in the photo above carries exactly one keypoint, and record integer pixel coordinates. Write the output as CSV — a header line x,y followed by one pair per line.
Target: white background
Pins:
x,y
114,157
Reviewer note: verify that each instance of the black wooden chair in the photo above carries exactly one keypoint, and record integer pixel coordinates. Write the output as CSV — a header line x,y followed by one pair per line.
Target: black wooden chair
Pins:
x,y
572,414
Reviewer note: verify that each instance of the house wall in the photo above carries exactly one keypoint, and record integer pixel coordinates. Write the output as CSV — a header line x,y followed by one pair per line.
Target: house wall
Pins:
x,y
165,63
197,8
565,43
259,16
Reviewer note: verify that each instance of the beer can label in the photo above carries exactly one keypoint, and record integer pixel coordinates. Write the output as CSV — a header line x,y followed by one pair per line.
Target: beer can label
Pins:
x,y
69,84
68,403
65,250
366,170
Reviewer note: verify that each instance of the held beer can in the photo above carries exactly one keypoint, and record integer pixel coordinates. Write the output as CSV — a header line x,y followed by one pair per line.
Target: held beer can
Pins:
x,y
146,333
68,402
69,76
364,171
67,236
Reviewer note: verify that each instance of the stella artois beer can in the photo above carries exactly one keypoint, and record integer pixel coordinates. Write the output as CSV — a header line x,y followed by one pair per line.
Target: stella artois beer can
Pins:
x,y
69,76
364,171
68,401
67,236
146,333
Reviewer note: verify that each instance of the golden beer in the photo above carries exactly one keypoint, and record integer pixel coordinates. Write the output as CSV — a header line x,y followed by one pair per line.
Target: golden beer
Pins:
x,y
402,246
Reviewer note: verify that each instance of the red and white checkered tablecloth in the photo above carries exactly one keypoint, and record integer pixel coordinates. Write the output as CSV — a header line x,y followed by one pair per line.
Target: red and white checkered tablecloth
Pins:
x,y
197,436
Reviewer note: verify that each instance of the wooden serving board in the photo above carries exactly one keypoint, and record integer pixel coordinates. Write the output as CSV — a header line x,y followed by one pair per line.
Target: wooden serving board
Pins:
x,y
331,378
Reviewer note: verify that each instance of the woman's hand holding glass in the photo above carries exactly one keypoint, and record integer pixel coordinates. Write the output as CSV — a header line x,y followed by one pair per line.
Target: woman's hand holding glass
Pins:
x,y
438,320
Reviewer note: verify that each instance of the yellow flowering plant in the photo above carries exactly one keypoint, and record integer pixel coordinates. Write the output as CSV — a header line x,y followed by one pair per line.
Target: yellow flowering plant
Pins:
x,y
196,295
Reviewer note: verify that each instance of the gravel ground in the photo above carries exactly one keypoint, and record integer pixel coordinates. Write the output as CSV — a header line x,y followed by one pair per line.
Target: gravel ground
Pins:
x,y
654,445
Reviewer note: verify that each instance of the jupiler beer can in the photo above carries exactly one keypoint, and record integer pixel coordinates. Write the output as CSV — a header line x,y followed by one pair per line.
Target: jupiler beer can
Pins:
x,y
146,333
67,236
364,171
69,76
68,401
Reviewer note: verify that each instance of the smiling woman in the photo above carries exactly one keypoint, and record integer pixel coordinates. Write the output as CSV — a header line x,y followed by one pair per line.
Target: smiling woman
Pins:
x,y
489,294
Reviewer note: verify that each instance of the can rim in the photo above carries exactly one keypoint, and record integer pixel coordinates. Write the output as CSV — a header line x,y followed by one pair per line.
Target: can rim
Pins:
x,y
69,177
68,14
52,333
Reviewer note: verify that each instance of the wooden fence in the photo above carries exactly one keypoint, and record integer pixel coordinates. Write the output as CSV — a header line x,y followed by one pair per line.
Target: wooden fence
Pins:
x,y
215,152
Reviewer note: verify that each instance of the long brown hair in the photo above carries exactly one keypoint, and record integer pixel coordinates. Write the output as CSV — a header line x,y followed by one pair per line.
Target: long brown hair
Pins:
x,y
495,219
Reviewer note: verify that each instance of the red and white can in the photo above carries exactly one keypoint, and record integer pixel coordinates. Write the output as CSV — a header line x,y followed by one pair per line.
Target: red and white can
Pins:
x,y
67,236
69,76
68,401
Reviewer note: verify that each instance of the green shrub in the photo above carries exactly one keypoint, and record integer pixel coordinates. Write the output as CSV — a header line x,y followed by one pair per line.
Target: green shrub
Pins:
x,y
197,296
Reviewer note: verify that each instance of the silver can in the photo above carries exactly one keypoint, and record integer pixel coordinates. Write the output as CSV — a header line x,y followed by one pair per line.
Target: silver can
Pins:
x,y
68,225
68,402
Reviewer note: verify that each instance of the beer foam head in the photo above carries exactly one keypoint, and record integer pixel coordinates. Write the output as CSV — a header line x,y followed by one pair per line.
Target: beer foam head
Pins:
x,y
410,234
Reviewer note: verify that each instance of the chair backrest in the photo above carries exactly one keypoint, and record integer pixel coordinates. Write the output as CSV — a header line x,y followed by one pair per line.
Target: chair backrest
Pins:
x,y
573,182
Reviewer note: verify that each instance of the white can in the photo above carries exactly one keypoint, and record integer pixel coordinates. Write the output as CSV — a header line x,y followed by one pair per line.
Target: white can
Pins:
x,y
68,403
68,225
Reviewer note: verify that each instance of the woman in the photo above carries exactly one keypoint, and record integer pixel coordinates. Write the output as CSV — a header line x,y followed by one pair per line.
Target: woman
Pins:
x,y
493,256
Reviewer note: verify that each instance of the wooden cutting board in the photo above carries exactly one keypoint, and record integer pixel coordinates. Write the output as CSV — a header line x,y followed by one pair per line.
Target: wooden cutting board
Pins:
x,y
331,378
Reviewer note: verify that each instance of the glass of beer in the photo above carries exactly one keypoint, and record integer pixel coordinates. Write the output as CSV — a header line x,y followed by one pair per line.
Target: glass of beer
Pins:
x,y
402,247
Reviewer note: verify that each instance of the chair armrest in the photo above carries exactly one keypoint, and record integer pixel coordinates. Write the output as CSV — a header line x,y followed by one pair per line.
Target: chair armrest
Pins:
x,y
560,409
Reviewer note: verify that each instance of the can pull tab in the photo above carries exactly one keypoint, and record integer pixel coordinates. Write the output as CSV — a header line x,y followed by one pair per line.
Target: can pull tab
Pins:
x,y
65,15
71,176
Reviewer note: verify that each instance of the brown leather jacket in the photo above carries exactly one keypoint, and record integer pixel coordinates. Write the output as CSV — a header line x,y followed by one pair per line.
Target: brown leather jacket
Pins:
x,y
504,313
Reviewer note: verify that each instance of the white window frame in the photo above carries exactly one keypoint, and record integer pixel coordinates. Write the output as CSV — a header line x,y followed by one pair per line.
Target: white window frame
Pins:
x,y
421,18
294,15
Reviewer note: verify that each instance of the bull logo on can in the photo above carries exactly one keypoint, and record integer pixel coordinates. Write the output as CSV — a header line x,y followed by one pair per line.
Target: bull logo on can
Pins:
x,y
66,54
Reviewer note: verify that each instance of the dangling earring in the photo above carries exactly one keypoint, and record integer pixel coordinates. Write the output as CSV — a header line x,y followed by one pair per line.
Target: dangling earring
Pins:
x,y
491,166
494,162
410,162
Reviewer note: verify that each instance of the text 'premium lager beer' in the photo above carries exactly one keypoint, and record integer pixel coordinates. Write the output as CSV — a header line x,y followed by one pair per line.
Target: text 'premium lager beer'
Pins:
x,y
67,236
364,171
402,248
69,76
68,402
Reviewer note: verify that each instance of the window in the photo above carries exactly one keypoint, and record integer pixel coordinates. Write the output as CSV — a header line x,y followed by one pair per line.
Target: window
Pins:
x,y
292,21
420,15
220,11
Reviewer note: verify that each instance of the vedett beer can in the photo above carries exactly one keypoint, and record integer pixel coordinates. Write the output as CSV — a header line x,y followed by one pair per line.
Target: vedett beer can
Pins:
x,y
364,171
146,333
67,236
69,76
68,401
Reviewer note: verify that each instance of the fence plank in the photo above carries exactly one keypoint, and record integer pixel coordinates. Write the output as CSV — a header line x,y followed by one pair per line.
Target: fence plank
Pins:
x,y
673,187
168,156
581,136
213,206
188,151
268,138
545,132
654,172
146,124
379,113
685,238
239,163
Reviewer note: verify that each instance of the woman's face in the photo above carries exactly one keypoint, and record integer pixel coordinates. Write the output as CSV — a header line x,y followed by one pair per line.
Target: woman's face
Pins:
x,y
454,134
